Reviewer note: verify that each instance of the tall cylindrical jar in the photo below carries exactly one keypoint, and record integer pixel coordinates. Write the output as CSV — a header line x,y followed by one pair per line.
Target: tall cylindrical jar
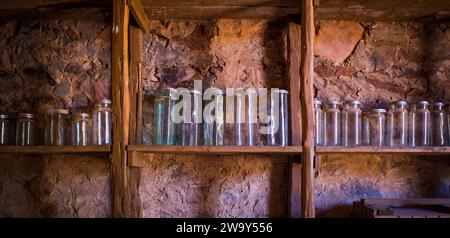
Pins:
x,y
55,127
332,123
398,124
4,129
213,126
246,117
420,124
25,129
278,111
439,128
191,131
374,128
164,131
81,129
352,124
319,117
102,123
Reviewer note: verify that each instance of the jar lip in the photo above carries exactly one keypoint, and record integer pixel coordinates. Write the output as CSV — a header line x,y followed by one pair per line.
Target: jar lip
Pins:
x,y
57,111
424,102
106,101
378,110
334,102
439,104
317,101
26,115
3,116
402,102
354,102
278,90
82,114
165,92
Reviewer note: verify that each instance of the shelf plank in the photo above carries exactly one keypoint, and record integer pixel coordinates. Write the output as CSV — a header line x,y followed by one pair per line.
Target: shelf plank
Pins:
x,y
435,150
216,149
40,149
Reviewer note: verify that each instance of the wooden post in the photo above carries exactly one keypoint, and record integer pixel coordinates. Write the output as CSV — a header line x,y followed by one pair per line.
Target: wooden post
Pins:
x,y
120,106
134,172
307,100
296,120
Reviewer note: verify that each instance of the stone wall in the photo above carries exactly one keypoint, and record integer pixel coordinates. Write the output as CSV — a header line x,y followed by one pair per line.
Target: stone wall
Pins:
x,y
377,64
63,64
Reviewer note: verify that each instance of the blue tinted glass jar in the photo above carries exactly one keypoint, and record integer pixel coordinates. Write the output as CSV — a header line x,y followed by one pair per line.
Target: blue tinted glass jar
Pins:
x,y
164,127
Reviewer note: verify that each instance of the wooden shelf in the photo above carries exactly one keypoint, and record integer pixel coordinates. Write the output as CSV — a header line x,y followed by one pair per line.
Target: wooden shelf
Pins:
x,y
216,149
40,149
435,150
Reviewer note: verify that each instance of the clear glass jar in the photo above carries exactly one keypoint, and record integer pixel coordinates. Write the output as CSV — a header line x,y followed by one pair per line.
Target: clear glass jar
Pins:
x,y
352,124
102,123
397,124
420,124
439,129
25,129
374,127
246,117
81,129
4,129
191,131
213,128
319,121
332,123
55,126
164,128
280,134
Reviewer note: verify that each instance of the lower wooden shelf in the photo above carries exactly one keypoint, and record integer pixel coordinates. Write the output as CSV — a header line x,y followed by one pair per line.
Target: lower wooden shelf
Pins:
x,y
216,149
429,150
41,149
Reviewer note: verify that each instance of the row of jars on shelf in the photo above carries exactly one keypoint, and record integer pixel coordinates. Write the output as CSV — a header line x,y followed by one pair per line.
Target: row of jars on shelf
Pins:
x,y
398,126
84,130
219,132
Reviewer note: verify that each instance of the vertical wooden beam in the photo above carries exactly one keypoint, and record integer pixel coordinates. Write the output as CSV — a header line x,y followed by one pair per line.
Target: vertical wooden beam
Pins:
x,y
120,104
307,100
294,48
134,172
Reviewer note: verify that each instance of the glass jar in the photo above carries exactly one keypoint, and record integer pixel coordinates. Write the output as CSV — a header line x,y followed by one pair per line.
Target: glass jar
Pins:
x,y
332,123
4,129
81,129
246,117
397,124
102,123
439,129
374,127
279,134
55,126
319,121
420,124
213,127
164,127
190,131
25,129
352,124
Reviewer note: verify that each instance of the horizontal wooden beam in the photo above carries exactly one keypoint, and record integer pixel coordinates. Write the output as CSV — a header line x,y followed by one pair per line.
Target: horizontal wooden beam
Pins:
x,y
243,150
40,149
214,12
435,150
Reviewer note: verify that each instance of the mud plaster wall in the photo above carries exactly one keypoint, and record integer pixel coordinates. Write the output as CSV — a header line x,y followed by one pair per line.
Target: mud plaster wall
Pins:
x,y
63,64
375,63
